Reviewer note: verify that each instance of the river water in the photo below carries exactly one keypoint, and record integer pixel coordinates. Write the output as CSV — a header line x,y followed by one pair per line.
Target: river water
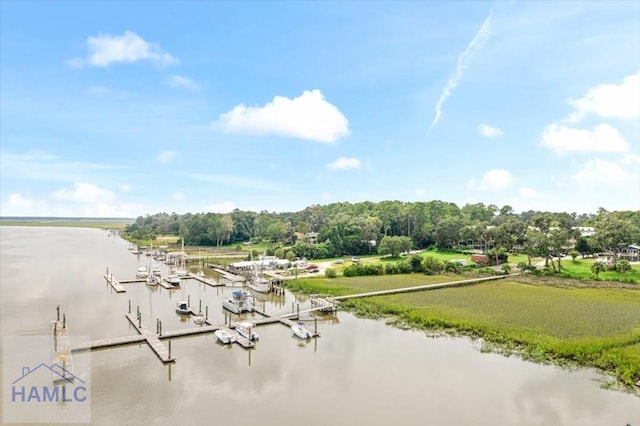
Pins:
x,y
359,372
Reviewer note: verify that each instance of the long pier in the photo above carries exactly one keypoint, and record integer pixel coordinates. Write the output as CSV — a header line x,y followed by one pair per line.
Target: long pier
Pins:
x,y
154,343
421,287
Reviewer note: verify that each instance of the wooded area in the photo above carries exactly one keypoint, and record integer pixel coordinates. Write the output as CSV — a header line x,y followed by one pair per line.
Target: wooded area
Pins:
x,y
358,229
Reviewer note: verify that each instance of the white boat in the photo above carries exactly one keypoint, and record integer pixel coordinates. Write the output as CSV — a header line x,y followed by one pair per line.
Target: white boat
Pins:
x,y
156,271
245,329
142,272
173,279
240,301
301,332
224,336
258,282
183,308
182,270
199,319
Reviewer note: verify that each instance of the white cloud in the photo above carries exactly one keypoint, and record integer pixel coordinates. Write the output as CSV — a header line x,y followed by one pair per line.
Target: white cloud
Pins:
x,y
84,193
166,156
180,81
493,180
599,171
309,116
19,201
610,100
602,138
223,207
345,163
105,49
178,196
489,131
529,193
464,60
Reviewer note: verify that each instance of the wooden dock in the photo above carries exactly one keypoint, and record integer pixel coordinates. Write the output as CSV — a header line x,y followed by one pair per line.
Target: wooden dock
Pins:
x,y
61,361
283,319
114,283
228,275
107,343
205,280
152,340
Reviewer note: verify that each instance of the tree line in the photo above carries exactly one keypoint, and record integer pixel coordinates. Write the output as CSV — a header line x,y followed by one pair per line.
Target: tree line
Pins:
x,y
359,229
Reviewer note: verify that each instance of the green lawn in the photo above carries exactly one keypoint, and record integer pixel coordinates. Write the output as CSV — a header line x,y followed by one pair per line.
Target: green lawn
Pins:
x,y
581,268
63,222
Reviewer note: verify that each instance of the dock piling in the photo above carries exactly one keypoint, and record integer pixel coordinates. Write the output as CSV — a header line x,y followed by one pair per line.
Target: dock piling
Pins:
x,y
206,314
298,310
64,320
129,305
159,327
315,325
169,348
58,313
200,306
188,300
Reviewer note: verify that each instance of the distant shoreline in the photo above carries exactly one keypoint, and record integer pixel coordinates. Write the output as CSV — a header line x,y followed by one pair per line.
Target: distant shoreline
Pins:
x,y
82,222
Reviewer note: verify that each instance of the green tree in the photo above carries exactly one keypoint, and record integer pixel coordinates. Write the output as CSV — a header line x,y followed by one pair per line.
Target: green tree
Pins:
x,y
394,245
623,266
506,268
596,268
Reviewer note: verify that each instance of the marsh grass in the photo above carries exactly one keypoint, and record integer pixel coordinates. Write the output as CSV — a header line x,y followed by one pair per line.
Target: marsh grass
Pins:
x,y
597,327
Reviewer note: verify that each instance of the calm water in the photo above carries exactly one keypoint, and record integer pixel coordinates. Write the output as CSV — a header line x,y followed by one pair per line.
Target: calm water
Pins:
x,y
360,372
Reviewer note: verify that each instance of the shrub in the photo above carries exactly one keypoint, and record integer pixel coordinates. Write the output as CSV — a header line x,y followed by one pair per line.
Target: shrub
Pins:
x,y
330,273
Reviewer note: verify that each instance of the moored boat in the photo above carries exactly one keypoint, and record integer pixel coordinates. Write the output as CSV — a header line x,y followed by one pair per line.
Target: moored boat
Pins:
x,y
245,329
224,336
240,301
142,271
301,332
183,308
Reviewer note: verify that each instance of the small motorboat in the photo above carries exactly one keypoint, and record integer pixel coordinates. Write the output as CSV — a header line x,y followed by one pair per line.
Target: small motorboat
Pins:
x,y
224,336
245,329
199,319
301,332
240,301
183,308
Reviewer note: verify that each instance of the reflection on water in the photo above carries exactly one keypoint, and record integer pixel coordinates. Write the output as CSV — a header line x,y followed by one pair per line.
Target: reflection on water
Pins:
x,y
358,372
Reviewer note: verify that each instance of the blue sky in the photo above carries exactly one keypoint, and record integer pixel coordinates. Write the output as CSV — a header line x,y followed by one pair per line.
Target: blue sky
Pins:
x,y
130,108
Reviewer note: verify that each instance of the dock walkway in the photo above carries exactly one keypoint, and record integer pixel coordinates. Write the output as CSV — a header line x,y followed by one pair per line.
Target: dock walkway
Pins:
x,y
114,283
61,361
205,280
152,339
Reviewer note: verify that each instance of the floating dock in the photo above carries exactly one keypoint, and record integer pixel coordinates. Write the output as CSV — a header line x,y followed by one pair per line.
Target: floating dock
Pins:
x,y
61,360
205,280
152,339
115,284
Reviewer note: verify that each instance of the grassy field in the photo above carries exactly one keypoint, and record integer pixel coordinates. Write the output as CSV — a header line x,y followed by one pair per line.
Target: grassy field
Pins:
x,y
597,327
581,268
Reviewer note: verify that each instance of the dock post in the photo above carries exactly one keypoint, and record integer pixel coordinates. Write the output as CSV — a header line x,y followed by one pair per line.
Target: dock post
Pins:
x,y
169,348
58,313
200,306
292,307
206,310
138,311
64,320
315,325
157,325
160,327
129,305
298,310
139,321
